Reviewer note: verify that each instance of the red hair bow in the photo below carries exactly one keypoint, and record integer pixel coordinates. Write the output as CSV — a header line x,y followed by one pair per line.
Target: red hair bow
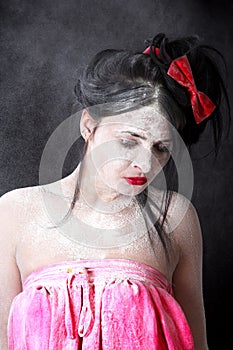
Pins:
x,y
181,72
154,49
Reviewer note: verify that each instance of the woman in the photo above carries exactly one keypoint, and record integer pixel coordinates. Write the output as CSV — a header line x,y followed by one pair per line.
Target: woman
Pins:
x,y
123,268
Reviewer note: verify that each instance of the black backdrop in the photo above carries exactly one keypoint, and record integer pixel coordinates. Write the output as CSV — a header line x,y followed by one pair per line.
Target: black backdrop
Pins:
x,y
45,44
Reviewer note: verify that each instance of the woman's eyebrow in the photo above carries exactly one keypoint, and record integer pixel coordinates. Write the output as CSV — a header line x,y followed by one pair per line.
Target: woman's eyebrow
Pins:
x,y
141,136
133,134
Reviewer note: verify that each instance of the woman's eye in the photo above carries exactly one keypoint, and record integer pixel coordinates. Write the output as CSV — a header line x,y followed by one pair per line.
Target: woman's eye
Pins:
x,y
128,143
162,148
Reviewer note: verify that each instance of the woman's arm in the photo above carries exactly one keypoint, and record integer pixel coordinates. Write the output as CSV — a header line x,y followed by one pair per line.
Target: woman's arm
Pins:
x,y
187,278
10,281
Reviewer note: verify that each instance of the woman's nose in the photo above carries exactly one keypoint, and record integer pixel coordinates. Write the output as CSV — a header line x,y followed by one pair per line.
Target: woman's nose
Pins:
x,y
143,161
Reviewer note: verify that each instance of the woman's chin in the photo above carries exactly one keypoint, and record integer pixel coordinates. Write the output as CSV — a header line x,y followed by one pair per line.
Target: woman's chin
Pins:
x,y
112,190
131,190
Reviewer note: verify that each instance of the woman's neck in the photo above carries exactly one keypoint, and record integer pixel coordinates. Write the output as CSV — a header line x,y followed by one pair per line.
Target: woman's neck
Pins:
x,y
92,196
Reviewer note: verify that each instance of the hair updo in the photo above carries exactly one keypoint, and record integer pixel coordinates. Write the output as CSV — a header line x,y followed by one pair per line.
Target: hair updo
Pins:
x,y
120,80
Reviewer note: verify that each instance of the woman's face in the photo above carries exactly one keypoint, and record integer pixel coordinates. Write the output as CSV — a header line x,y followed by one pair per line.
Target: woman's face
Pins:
x,y
128,150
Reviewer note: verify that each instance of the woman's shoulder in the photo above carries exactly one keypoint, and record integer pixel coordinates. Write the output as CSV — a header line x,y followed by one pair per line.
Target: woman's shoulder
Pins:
x,y
32,202
16,206
20,205
177,200
19,197
25,213
179,210
28,197
184,224
13,213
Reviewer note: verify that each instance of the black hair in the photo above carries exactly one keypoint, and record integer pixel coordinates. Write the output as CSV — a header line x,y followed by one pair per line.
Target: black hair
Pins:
x,y
120,80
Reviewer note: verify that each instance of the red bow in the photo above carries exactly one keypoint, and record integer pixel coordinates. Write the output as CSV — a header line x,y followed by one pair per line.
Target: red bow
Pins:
x,y
180,71
154,49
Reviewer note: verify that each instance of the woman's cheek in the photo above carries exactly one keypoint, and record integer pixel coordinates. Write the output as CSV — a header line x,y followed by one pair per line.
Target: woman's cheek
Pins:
x,y
114,169
157,167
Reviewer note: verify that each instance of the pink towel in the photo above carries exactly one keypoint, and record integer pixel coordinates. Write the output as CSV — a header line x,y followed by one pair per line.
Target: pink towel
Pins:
x,y
104,304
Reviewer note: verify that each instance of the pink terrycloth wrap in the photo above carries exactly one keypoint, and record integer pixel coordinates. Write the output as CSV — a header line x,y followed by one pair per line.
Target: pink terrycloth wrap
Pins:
x,y
103,304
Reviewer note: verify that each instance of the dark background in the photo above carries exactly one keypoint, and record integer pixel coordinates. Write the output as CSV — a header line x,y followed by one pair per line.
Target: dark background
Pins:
x,y
44,46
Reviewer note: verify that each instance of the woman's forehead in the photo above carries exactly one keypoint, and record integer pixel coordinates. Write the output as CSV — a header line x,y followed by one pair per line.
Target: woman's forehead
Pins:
x,y
145,120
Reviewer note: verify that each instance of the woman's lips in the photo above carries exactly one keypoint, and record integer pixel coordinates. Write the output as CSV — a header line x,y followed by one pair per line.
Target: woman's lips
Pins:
x,y
138,181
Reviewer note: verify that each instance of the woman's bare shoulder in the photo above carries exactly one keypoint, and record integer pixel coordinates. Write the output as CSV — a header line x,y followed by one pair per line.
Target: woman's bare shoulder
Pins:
x,y
20,205
178,210
30,204
13,213
185,225
20,198
179,205
25,198
16,205
182,224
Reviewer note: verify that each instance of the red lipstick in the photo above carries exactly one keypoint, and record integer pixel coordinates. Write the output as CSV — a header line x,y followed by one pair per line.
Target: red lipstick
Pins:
x,y
138,181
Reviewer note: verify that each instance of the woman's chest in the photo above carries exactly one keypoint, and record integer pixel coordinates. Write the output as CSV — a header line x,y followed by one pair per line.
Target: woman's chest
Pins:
x,y
41,247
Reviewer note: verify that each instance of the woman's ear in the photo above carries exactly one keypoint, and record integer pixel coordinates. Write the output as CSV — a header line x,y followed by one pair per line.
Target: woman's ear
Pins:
x,y
87,125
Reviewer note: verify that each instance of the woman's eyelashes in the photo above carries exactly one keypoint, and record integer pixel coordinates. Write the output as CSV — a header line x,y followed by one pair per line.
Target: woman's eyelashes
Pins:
x,y
128,143
158,147
161,147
